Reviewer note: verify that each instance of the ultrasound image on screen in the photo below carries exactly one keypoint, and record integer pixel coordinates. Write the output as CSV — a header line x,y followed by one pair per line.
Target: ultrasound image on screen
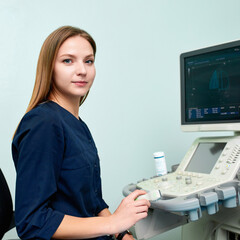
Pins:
x,y
212,86
205,157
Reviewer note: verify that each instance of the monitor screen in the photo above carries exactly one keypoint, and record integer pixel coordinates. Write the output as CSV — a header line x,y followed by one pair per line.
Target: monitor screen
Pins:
x,y
205,157
210,85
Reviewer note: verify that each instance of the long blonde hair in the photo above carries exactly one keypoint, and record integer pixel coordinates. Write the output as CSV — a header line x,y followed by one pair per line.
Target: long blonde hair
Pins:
x,y
46,60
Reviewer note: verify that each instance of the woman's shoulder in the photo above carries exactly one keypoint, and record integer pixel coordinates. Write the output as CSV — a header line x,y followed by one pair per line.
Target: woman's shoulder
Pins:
x,y
38,126
44,113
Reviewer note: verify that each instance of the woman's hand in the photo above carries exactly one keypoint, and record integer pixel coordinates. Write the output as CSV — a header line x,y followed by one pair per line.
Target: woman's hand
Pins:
x,y
130,211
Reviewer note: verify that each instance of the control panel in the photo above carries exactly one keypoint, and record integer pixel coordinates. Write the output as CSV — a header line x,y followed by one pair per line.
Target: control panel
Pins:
x,y
208,163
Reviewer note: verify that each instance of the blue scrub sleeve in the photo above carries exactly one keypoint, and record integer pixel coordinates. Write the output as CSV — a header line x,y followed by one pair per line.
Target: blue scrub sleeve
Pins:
x,y
38,147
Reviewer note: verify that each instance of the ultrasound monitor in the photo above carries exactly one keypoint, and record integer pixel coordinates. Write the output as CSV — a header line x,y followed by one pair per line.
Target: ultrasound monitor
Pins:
x,y
210,88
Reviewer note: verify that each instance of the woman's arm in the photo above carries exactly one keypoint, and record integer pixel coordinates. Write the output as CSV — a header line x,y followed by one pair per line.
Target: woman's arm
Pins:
x,y
37,149
126,215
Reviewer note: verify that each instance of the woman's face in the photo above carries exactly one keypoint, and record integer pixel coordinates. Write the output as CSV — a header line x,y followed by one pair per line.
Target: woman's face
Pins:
x,y
74,69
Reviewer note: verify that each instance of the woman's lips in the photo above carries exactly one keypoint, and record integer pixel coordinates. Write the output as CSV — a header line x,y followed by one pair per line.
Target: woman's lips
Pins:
x,y
80,83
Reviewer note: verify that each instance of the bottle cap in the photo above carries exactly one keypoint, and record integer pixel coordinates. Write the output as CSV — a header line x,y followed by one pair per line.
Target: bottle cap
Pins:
x,y
158,154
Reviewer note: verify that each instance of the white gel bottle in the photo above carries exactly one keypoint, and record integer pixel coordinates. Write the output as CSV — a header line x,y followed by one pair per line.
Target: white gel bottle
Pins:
x,y
160,163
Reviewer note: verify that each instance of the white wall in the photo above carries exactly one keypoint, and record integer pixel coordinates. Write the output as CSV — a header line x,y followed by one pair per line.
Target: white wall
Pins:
x,y
134,106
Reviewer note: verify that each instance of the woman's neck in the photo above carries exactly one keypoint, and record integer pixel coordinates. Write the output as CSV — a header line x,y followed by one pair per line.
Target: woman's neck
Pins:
x,y
71,105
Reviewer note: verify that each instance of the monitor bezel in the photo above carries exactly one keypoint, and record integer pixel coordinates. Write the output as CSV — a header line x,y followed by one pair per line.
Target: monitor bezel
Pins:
x,y
227,125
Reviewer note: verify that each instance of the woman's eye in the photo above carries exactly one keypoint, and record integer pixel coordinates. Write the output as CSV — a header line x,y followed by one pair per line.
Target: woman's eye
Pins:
x,y
90,61
67,61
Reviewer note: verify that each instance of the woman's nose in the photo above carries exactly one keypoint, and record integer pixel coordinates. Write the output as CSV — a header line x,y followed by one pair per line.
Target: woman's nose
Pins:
x,y
81,68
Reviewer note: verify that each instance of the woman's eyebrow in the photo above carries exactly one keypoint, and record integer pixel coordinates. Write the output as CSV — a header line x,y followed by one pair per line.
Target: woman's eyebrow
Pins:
x,y
67,55
90,55
73,56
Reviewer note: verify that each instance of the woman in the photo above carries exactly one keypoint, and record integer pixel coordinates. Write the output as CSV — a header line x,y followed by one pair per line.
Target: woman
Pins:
x,y
58,186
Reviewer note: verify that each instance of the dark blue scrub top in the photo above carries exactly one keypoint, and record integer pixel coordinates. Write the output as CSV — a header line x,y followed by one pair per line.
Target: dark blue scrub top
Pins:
x,y
57,169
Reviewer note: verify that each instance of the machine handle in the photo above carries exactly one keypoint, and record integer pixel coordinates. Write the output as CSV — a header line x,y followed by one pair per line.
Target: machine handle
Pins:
x,y
190,206
178,204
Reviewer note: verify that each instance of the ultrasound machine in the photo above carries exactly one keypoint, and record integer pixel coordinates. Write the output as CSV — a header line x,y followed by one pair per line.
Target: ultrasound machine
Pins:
x,y
203,193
